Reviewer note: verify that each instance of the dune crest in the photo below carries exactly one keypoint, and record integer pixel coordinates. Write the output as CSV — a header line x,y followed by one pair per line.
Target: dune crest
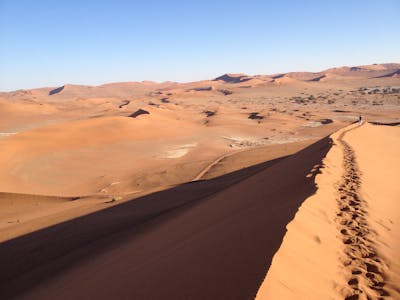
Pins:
x,y
336,241
233,78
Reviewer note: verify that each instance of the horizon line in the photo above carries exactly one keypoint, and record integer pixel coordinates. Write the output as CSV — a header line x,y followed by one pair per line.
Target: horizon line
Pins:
x,y
182,82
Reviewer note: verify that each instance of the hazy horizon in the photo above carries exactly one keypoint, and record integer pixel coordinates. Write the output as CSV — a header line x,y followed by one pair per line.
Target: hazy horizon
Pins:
x,y
91,43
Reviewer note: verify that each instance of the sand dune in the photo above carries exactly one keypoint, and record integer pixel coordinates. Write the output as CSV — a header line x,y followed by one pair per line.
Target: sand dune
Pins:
x,y
56,159
233,78
171,190
392,74
285,80
318,78
344,239
153,240
365,71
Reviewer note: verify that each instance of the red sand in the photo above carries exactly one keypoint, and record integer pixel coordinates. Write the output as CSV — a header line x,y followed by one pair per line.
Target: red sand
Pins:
x,y
187,242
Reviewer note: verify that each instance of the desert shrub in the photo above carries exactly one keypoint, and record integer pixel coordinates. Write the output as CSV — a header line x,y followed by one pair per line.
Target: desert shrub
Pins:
x,y
225,92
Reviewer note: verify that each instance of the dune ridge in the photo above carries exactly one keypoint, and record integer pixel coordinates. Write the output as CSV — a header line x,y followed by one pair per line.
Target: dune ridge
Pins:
x,y
335,241
153,240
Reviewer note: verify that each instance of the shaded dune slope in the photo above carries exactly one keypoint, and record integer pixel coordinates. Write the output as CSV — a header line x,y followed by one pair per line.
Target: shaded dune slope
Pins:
x,y
210,239
56,90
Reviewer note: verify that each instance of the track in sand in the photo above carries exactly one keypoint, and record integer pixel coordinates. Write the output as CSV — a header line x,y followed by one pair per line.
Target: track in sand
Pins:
x,y
360,258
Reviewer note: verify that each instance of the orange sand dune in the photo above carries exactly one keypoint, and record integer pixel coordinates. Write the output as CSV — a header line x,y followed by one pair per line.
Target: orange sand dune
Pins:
x,y
187,242
97,193
64,159
344,242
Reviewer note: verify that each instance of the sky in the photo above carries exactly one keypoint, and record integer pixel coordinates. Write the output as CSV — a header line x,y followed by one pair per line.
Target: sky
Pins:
x,y
51,43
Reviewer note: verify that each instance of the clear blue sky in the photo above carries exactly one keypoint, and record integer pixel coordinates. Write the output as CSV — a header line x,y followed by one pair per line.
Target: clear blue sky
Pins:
x,y
49,43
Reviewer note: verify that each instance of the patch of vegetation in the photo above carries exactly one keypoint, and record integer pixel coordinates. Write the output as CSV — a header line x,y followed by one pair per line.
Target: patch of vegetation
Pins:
x,y
225,92
165,100
209,113
325,121
299,100
255,116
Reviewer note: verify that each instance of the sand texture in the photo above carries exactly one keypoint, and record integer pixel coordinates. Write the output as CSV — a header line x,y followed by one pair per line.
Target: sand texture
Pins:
x,y
238,187
344,241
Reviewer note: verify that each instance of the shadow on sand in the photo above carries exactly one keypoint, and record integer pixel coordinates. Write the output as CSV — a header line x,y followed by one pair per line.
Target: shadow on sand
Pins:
x,y
211,239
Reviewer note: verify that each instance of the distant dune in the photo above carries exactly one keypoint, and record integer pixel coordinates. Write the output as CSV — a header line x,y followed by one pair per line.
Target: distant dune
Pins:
x,y
392,74
233,78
